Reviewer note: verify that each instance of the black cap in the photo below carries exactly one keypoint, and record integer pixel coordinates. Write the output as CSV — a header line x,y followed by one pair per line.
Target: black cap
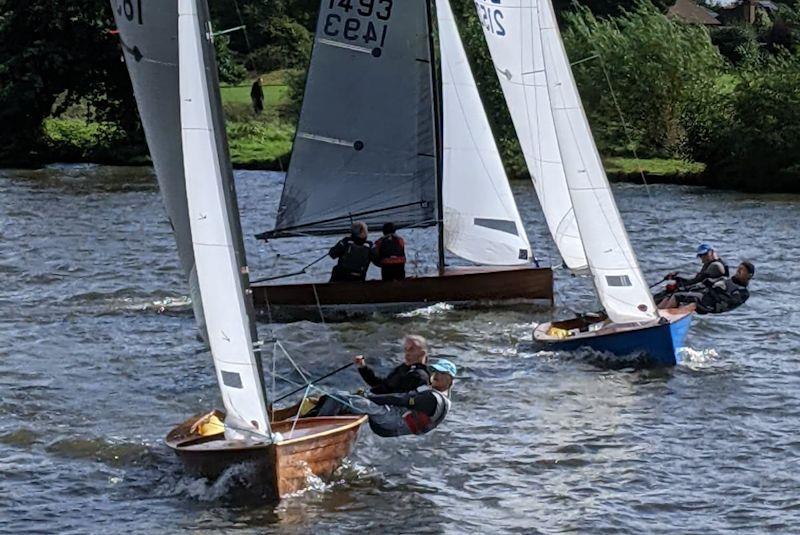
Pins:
x,y
751,269
388,228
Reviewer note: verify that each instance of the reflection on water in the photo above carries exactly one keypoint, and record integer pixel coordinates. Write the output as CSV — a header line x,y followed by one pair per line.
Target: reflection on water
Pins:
x,y
99,358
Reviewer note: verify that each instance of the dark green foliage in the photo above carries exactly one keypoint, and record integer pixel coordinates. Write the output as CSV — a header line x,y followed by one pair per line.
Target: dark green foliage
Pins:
x,y
230,71
655,67
749,134
735,42
54,55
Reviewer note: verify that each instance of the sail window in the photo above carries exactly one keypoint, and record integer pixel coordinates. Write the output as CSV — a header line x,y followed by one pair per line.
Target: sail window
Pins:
x,y
231,379
503,225
618,280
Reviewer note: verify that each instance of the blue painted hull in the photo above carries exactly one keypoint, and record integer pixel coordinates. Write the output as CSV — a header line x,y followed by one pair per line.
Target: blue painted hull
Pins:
x,y
659,342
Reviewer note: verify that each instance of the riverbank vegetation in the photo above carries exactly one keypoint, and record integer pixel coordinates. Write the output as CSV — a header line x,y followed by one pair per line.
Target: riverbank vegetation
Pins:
x,y
717,106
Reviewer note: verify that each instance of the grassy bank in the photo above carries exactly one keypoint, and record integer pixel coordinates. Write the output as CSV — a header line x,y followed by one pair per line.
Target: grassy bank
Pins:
x,y
264,141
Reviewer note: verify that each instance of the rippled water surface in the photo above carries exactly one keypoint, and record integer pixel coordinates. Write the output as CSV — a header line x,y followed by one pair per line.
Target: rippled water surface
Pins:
x,y
99,357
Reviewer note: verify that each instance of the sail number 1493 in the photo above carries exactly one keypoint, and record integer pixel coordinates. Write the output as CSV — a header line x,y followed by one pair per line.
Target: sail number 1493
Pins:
x,y
349,19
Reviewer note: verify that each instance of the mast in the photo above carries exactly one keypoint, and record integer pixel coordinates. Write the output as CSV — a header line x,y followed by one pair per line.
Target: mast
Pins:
x,y
438,127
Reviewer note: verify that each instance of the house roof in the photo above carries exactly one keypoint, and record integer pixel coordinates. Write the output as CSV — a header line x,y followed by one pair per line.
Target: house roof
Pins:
x,y
691,13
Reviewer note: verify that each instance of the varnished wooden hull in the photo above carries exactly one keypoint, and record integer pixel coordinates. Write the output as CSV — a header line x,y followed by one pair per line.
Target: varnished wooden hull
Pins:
x,y
491,285
316,447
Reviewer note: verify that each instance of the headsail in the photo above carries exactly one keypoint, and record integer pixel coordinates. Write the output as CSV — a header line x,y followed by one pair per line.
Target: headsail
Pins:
x,y
482,223
512,31
217,237
148,31
364,147
617,277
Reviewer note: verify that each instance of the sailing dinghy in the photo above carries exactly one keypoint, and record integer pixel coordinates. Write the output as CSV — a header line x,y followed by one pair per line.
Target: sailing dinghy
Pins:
x,y
383,137
536,77
285,452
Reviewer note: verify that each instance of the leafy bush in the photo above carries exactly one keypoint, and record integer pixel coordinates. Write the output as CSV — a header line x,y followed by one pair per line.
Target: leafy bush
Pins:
x,y
655,65
735,43
750,135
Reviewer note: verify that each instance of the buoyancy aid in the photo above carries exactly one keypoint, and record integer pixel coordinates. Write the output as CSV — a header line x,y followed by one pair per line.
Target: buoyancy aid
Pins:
x,y
420,423
355,259
391,250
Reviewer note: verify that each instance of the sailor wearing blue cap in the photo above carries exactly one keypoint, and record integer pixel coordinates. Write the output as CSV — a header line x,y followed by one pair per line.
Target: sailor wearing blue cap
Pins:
x,y
411,413
714,269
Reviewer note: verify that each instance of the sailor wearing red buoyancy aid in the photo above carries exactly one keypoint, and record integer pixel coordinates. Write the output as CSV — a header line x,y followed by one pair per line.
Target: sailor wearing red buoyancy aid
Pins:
x,y
412,413
389,254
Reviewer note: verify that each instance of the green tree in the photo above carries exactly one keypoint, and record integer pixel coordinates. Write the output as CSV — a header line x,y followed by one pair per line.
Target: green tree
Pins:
x,y
654,65
53,55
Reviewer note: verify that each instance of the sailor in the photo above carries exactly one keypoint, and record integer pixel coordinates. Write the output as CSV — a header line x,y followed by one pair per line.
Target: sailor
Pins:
x,y
412,413
714,269
353,253
722,295
408,376
389,254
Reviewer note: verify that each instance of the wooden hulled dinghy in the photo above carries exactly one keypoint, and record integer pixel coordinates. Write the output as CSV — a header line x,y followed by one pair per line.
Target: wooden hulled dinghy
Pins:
x,y
417,151
316,447
207,225
458,285
659,339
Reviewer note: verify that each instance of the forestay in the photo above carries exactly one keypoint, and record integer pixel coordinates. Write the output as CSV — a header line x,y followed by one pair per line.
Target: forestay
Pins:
x,y
148,31
512,32
482,223
364,147
617,277
217,240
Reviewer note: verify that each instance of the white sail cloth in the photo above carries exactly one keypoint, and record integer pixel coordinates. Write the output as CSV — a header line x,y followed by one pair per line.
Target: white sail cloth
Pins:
x,y
481,220
619,281
617,277
213,238
512,33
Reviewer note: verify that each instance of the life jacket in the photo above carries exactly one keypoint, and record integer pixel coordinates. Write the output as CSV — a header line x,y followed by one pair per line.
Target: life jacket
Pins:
x,y
391,250
723,265
420,423
355,259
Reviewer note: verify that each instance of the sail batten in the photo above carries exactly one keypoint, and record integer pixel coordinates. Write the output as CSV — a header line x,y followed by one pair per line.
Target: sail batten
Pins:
x,y
366,132
216,234
482,222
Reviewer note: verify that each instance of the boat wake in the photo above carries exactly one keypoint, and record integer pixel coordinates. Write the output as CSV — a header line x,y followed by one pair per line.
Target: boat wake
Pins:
x,y
432,310
698,359
239,483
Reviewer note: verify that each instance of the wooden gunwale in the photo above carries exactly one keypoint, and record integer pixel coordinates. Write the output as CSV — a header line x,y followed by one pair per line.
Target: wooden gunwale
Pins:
x,y
671,314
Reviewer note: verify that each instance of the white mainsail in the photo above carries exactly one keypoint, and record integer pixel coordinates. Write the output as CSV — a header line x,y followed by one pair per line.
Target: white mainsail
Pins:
x,y
229,333
617,277
481,220
513,35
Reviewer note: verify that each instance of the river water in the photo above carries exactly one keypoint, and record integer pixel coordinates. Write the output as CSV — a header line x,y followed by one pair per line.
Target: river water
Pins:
x,y
99,357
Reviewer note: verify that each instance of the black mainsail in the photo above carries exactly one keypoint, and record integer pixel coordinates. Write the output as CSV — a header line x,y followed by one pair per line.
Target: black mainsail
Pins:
x,y
358,152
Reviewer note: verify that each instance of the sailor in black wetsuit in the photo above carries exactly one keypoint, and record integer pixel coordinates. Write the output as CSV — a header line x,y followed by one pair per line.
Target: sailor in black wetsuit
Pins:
x,y
714,268
718,296
353,253
411,413
409,375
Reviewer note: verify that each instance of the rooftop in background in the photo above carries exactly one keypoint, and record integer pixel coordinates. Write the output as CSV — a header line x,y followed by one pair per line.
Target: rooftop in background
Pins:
x,y
689,12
